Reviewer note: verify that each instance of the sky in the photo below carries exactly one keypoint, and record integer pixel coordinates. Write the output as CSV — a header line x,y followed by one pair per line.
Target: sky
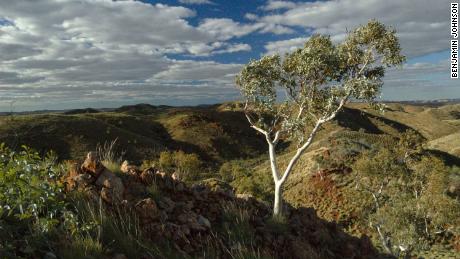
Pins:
x,y
65,54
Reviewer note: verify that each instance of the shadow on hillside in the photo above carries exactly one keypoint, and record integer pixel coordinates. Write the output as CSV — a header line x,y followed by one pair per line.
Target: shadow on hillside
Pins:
x,y
356,119
448,159
36,137
236,123
72,136
139,134
329,238
224,135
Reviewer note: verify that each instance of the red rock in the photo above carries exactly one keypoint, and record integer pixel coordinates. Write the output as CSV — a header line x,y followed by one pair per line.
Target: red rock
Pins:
x,y
112,186
147,210
147,176
92,165
175,176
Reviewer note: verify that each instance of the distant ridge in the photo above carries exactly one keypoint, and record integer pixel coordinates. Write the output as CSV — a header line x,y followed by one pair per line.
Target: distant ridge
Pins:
x,y
434,103
80,111
145,107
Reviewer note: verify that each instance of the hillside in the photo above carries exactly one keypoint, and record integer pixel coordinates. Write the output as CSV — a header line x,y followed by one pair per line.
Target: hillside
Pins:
x,y
215,135
439,125
217,132
327,177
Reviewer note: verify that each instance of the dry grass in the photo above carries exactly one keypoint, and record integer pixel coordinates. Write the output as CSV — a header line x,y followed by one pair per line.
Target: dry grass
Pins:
x,y
449,144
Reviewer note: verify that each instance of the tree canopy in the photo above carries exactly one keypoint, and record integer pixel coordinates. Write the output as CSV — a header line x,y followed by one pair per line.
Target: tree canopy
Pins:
x,y
317,80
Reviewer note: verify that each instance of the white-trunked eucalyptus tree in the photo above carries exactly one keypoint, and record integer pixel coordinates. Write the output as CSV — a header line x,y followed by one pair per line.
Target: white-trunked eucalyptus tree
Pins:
x,y
318,79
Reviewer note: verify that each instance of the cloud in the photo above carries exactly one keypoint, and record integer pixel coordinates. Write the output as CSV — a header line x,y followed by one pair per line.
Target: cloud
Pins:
x,y
276,5
225,28
232,48
284,46
199,71
195,2
73,52
15,78
420,81
421,24
102,52
276,29
251,16
204,50
16,51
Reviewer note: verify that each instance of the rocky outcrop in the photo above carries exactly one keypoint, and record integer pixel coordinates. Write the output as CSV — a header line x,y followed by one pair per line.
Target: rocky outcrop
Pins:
x,y
189,217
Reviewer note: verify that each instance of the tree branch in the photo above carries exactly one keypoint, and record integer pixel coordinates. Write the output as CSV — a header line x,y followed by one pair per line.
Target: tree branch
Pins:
x,y
255,127
277,137
272,153
300,151
341,104
311,136
251,122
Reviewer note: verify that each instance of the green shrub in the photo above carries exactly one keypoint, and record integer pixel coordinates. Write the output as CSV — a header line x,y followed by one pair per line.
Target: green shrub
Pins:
x,y
409,209
188,166
245,178
166,161
31,197
235,169
29,189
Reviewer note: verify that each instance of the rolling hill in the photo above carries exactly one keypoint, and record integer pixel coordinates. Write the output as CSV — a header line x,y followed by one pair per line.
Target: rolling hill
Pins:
x,y
323,178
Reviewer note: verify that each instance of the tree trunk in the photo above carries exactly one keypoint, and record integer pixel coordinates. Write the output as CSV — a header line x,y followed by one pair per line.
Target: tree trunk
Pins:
x,y
278,204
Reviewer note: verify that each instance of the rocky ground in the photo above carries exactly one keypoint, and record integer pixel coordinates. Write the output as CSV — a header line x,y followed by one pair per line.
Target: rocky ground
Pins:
x,y
192,218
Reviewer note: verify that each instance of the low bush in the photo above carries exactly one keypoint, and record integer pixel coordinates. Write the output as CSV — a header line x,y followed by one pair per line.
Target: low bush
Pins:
x,y
187,166
32,204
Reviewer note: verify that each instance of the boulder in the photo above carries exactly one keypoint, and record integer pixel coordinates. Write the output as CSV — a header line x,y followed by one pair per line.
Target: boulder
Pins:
x,y
124,168
166,204
128,169
244,196
112,186
147,210
92,165
82,180
148,176
204,221
134,189
175,176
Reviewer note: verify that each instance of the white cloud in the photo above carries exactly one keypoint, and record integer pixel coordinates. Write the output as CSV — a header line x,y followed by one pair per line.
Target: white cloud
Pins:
x,y
276,29
232,48
195,2
420,81
421,24
276,5
224,28
251,16
284,46
73,52
103,52
201,49
198,71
